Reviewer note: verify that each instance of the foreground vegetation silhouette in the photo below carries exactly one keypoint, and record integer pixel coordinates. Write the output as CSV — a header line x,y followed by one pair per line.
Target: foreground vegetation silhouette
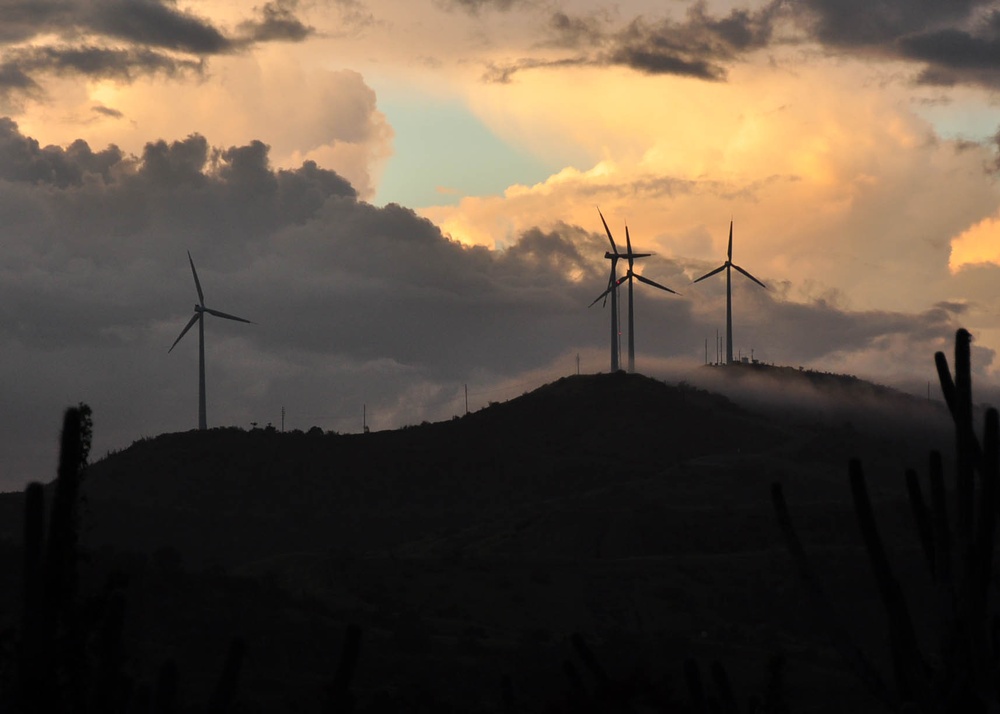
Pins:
x,y
68,652
963,673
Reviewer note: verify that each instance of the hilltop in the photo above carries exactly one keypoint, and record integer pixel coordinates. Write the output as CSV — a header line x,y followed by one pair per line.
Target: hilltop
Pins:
x,y
232,496
619,506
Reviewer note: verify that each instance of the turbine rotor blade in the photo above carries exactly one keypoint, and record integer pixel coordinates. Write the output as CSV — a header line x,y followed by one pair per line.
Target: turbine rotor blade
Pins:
x,y
197,284
611,281
655,284
730,253
710,274
614,248
749,276
610,288
628,243
194,319
227,316
598,298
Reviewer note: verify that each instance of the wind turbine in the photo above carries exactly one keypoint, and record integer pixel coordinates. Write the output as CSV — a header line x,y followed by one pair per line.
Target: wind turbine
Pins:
x,y
613,256
199,317
729,292
630,276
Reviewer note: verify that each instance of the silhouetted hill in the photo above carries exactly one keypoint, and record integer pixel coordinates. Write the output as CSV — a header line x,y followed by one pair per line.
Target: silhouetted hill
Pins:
x,y
624,443
619,506
235,496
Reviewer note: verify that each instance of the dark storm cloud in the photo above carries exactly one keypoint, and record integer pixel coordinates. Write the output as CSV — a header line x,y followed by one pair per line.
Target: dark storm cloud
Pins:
x,y
696,47
700,46
575,31
180,162
474,6
955,42
950,42
13,78
856,23
107,111
123,39
277,22
23,160
120,64
152,23
23,19
156,24
954,49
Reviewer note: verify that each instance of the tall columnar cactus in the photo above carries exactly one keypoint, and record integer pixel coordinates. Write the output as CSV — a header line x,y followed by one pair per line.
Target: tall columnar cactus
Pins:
x,y
224,696
340,698
49,667
964,675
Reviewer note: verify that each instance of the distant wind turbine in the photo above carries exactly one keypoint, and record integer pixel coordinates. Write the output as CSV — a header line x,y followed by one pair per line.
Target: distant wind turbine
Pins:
x,y
729,292
199,317
630,276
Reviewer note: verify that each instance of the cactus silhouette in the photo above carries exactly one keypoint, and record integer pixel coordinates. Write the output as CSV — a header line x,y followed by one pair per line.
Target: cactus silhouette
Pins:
x,y
70,655
962,674
340,698
50,661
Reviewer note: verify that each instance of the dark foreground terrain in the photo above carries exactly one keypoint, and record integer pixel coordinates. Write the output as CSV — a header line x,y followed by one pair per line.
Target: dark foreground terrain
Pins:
x,y
634,513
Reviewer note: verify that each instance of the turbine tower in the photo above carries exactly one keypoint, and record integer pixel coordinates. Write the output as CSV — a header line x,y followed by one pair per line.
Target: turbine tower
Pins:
x,y
630,276
729,292
199,317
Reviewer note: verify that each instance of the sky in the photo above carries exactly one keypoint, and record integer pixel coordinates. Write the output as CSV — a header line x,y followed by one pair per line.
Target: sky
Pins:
x,y
402,196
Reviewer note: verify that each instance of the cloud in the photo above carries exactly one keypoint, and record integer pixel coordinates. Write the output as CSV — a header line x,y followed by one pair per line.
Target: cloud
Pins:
x,y
857,23
504,73
695,47
353,303
97,62
124,39
954,56
277,22
948,42
475,6
698,47
23,160
107,111
953,42
151,23
337,122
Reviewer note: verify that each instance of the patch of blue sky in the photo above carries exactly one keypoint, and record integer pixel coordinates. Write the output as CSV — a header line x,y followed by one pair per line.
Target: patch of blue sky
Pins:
x,y
967,119
442,152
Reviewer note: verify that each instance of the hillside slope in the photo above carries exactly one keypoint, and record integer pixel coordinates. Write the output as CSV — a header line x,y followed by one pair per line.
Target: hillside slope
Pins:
x,y
618,506
547,472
